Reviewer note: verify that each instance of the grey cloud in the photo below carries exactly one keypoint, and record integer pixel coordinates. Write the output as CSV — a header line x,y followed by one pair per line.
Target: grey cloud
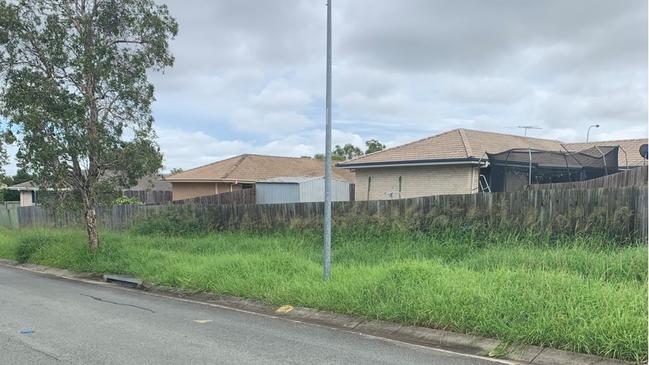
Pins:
x,y
405,69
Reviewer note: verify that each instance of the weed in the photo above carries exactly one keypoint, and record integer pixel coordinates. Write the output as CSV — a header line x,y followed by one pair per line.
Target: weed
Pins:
x,y
584,293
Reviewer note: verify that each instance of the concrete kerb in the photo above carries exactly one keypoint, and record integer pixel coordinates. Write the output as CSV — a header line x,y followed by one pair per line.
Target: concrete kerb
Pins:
x,y
435,338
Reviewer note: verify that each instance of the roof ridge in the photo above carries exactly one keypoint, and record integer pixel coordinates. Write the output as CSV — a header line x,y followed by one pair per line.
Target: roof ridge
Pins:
x,y
275,156
465,142
397,147
509,135
235,166
209,164
609,140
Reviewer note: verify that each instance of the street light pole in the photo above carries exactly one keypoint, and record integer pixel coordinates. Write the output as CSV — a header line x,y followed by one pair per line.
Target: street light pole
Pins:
x,y
327,201
588,132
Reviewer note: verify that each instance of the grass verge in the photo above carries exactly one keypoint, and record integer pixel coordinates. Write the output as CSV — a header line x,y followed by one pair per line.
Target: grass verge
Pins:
x,y
582,294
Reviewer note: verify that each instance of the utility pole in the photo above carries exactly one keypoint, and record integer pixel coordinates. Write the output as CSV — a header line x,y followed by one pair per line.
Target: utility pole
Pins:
x,y
526,127
327,201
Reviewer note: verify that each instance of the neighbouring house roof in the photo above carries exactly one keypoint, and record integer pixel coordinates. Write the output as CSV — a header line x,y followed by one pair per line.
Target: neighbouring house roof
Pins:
x,y
153,182
455,146
251,168
629,146
469,146
27,185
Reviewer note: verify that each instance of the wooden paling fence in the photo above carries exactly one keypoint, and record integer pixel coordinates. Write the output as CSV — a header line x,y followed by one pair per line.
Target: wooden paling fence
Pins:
x,y
634,177
614,209
244,196
150,196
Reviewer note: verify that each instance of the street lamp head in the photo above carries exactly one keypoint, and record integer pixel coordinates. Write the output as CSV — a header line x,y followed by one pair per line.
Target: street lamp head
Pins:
x,y
588,131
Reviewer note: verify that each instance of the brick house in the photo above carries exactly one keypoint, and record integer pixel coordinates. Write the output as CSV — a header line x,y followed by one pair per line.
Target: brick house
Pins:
x,y
450,163
243,172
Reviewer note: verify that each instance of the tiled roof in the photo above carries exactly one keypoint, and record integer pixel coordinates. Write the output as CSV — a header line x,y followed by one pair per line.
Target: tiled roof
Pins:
x,y
630,146
26,185
152,182
253,168
457,144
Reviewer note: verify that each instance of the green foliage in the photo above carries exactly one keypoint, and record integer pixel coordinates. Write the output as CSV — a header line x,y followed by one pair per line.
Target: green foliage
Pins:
x,y
21,176
585,294
75,85
125,200
346,152
373,145
29,244
175,222
574,223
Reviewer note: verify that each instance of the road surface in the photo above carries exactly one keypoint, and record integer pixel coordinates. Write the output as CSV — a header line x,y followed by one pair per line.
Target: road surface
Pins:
x,y
82,323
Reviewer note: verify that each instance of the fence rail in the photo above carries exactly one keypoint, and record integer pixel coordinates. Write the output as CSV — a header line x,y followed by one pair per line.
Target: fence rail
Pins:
x,y
150,196
614,209
634,177
244,196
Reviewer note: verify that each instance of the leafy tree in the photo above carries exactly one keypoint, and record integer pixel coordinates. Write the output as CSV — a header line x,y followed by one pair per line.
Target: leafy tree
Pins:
x,y
176,170
346,152
73,84
373,145
21,176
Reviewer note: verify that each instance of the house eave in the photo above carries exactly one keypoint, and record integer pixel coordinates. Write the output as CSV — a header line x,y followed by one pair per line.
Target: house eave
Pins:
x,y
436,162
172,181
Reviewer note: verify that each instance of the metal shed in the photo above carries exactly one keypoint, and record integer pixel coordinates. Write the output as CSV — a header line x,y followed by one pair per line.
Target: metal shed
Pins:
x,y
299,189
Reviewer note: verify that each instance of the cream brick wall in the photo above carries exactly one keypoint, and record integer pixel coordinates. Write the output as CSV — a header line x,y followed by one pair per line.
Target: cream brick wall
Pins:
x,y
188,190
183,190
416,181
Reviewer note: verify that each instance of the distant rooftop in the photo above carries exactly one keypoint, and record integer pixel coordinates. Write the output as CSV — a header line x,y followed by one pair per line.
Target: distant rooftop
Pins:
x,y
467,145
251,168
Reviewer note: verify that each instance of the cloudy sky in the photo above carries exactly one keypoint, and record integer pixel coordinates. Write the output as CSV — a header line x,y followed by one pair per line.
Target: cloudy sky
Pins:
x,y
249,75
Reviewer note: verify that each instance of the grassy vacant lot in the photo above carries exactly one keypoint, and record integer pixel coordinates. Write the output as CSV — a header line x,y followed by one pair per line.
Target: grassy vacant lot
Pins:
x,y
580,294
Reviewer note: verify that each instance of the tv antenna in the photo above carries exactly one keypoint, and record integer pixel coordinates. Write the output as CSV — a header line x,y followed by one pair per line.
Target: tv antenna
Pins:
x,y
526,127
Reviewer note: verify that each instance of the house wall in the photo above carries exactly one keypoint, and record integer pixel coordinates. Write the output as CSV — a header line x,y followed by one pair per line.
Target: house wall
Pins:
x,y
26,198
416,181
187,190
227,187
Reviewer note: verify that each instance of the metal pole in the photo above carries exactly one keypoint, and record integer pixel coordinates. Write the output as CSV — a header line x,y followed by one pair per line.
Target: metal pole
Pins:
x,y
327,202
529,172
588,132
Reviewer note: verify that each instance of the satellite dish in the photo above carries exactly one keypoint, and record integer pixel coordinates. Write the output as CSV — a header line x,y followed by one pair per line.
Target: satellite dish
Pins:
x,y
643,151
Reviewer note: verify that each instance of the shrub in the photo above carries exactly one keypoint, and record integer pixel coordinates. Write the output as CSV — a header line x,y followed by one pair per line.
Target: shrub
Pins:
x,y
125,200
29,244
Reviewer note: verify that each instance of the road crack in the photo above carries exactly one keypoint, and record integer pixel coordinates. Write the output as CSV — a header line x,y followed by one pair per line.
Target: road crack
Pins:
x,y
117,303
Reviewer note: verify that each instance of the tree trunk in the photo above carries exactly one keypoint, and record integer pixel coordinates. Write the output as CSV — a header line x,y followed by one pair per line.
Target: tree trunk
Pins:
x,y
91,222
91,228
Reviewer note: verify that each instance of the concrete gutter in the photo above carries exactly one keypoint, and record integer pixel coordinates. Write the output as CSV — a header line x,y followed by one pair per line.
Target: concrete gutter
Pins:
x,y
429,337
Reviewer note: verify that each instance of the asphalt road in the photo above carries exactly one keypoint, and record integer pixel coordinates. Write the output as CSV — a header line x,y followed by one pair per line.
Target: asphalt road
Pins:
x,y
82,323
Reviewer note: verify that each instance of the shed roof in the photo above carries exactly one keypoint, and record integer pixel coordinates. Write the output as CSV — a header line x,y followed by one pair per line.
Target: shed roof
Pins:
x,y
294,179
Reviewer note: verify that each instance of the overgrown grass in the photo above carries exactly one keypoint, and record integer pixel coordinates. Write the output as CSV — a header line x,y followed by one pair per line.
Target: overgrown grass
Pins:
x,y
585,294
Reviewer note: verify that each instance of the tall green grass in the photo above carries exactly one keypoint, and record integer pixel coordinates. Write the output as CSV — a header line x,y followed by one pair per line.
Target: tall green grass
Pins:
x,y
585,294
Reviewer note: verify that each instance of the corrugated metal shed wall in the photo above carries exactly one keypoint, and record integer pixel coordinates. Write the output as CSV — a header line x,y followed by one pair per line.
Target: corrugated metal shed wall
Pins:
x,y
305,191
313,190
274,193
